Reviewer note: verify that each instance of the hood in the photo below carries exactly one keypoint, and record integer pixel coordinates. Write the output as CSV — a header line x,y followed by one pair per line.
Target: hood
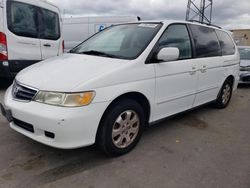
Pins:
x,y
65,72
244,63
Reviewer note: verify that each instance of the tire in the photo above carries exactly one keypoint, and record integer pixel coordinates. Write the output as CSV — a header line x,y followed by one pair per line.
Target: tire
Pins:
x,y
225,95
121,128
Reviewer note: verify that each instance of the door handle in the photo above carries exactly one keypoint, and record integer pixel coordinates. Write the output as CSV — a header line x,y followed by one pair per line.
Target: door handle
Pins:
x,y
204,69
193,71
47,45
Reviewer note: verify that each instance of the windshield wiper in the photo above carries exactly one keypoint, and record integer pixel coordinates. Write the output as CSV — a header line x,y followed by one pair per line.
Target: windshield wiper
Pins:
x,y
98,53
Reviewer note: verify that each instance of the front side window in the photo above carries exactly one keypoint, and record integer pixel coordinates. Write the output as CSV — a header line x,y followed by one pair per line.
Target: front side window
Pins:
x,y
22,19
206,41
51,25
177,36
226,43
126,41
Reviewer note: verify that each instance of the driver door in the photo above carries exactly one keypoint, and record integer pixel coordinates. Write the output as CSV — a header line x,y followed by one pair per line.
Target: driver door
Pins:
x,y
176,81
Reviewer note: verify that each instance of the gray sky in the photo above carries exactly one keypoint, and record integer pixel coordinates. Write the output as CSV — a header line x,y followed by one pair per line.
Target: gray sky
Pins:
x,y
227,13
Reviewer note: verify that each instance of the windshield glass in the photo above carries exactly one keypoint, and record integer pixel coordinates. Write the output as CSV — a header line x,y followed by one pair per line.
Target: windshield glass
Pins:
x,y
244,53
121,41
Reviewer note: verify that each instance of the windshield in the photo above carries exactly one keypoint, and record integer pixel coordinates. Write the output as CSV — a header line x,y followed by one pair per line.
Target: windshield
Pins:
x,y
121,41
244,53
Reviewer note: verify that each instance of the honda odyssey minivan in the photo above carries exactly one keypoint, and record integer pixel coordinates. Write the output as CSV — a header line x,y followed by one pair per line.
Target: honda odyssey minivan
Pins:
x,y
29,32
107,89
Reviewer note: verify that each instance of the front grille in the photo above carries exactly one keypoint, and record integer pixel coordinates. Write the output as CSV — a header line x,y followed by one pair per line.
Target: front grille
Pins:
x,y
23,125
21,92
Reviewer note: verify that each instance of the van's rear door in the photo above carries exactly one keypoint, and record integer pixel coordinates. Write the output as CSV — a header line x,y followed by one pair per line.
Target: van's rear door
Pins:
x,y
50,34
21,28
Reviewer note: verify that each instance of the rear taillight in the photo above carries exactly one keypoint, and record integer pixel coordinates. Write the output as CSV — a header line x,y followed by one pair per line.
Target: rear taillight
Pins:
x,y
63,47
3,47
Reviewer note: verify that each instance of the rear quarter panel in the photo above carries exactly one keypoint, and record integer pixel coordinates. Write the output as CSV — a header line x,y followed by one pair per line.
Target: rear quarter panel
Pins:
x,y
231,65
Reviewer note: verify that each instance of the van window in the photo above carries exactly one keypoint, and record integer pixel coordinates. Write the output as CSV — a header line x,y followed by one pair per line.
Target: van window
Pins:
x,y
206,41
177,36
22,19
110,42
51,25
126,41
226,43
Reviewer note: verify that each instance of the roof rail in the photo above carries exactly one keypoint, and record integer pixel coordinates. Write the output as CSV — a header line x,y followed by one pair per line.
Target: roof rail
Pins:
x,y
205,23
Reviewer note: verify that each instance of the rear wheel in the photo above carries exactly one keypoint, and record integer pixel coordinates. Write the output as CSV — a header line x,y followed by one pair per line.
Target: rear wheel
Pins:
x,y
225,95
121,128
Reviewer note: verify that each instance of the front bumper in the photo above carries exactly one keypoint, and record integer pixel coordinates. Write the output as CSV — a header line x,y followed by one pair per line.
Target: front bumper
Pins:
x,y
71,127
244,77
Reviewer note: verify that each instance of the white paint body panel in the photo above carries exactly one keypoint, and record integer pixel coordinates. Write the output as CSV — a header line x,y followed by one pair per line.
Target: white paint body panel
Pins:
x,y
170,87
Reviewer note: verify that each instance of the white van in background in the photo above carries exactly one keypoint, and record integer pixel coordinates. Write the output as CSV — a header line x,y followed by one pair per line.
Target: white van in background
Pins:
x,y
29,32
76,30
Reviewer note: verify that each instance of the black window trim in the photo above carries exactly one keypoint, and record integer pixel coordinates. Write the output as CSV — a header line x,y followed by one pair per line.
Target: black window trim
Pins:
x,y
151,57
39,24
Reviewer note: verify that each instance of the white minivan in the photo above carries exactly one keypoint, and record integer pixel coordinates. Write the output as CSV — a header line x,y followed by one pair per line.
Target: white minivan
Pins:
x,y
76,30
29,32
120,80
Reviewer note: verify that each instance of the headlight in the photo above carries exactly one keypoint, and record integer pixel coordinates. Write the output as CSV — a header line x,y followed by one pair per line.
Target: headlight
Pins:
x,y
65,99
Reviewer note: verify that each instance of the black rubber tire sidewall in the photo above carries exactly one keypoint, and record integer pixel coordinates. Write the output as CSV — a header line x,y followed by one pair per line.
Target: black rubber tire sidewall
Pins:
x,y
105,133
219,101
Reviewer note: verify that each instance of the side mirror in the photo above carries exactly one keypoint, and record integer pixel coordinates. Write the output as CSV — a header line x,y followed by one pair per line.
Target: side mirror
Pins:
x,y
168,54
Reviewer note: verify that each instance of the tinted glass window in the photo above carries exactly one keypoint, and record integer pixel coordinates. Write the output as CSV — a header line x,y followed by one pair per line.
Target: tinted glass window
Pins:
x,y
206,41
226,43
51,26
177,36
22,19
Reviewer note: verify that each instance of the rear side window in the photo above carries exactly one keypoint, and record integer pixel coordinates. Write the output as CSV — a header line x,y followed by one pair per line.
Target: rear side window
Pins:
x,y
22,19
206,41
51,25
226,43
177,36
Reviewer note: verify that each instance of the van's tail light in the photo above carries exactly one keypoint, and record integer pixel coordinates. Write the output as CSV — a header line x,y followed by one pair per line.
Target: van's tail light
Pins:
x,y
63,46
3,47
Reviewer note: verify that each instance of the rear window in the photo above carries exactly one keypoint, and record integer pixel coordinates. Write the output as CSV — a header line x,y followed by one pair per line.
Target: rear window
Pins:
x,y
226,43
51,25
206,41
27,20
22,19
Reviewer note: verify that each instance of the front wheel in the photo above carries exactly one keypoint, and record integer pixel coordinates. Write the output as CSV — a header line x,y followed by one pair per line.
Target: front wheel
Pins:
x,y
121,128
225,95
